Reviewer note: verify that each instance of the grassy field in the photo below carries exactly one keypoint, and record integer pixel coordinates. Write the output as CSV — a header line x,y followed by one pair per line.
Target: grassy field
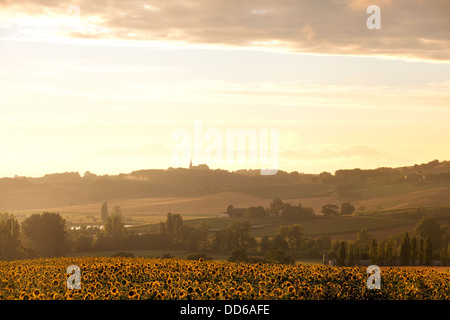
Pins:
x,y
398,203
399,189
381,223
289,191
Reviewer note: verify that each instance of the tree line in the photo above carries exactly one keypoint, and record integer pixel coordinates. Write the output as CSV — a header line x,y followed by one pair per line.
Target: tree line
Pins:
x,y
426,245
284,210
46,235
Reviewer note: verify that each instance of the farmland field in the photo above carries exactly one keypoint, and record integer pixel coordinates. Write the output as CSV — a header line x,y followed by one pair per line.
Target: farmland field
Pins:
x,y
143,211
174,279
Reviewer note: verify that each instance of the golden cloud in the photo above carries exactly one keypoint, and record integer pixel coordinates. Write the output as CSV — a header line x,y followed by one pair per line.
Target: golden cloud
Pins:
x,y
414,29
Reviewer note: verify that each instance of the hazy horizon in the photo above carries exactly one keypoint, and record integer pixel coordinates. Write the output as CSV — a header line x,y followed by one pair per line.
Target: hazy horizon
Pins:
x,y
104,88
234,170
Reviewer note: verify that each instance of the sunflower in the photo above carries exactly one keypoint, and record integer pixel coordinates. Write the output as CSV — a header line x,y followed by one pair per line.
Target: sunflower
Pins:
x,y
88,296
182,294
131,294
55,296
25,297
36,293
114,291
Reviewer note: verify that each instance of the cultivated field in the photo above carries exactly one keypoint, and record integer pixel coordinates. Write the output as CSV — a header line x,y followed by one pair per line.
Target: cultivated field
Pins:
x,y
154,210
169,279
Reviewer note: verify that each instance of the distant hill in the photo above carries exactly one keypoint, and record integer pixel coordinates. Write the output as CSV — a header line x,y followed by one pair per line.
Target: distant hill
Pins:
x,y
63,189
72,189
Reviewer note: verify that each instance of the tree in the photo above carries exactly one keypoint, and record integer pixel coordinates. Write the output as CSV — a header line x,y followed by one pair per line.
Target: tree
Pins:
x,y
276,206
341,253
428,251
236,235
290,212
256,212
324,243
357,255
390,249
414,250
421,252
381,253
363,241
330,209
265,244
10,243
241,234
405,250
429,225
202,231
104,215
280,243
115,226
373,251
83,243
347,208
238,255
293,235
326,178
279,256
230,211
172,228
46,234
352,254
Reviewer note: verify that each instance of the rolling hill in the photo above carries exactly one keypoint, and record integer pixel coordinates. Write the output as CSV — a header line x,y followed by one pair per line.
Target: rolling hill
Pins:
x,y
146,196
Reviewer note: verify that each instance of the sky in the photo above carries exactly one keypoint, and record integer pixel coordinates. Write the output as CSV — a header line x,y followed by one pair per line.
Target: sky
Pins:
x,y
106,86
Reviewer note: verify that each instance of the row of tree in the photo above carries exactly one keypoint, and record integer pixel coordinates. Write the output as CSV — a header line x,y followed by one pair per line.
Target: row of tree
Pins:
x,y
409,252
427,244
288,211
39,235
379,176
46,235
345,209
277,207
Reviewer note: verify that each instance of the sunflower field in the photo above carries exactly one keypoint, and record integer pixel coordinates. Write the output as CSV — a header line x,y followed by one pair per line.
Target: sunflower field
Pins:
x,y
175,279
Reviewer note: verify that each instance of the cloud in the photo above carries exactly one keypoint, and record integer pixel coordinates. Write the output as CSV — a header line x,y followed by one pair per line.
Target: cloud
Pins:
x,y
414,29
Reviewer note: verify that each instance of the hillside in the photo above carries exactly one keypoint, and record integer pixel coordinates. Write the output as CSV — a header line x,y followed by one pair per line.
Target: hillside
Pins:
x,y
146,196
71,189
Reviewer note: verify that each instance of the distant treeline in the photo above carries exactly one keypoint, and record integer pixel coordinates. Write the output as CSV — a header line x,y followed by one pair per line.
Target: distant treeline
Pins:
x,y
138,184
46,235
199,180
386,175
277,207
427,244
